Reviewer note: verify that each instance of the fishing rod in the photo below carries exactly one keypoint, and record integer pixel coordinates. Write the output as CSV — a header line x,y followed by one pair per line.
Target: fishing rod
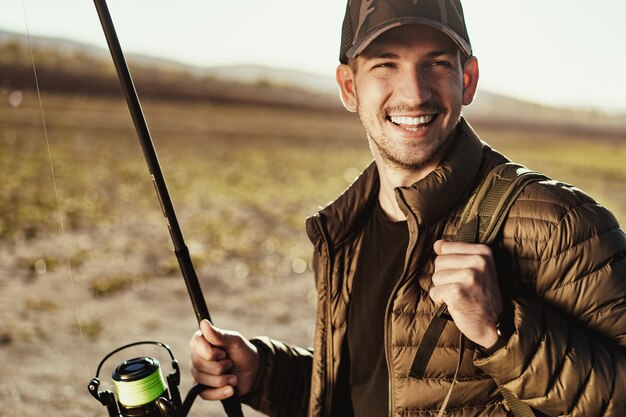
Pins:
x,y
141,392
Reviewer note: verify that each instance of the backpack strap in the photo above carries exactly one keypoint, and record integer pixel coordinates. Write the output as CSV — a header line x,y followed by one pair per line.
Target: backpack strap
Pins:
x,y
481,221
487,209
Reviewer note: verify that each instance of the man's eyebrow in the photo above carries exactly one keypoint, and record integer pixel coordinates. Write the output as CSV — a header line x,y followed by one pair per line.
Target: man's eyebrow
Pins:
x,y
390,55
440,52
382,55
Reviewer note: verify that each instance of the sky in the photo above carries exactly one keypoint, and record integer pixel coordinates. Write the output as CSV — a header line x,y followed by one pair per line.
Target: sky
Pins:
x,y
567,53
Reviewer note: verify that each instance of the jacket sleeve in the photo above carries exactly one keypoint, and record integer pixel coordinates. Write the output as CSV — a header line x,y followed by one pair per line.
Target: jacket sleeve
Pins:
x,y
282,385
567,355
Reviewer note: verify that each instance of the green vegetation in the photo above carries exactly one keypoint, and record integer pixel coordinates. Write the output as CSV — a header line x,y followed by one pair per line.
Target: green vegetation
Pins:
x,y
90,329
106,286
241,177
234,172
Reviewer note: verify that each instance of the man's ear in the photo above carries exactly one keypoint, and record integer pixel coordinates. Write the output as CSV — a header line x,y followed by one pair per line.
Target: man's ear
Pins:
x,y
470,79
345,81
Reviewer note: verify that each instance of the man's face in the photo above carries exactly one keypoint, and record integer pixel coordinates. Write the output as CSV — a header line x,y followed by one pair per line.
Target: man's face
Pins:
x,y
408,88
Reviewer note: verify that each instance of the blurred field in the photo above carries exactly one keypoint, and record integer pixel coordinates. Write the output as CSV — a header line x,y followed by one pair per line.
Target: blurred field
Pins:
x,y
243,179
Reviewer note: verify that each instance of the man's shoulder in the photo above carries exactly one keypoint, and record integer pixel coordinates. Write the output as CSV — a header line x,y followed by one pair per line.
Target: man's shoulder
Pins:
x,y
552,200
559,213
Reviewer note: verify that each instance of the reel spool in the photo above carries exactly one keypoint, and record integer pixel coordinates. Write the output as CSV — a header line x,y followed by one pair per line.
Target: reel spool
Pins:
x,y
140,389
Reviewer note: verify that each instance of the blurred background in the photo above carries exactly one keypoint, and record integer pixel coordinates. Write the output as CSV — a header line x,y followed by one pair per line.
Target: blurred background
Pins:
x,y
252,138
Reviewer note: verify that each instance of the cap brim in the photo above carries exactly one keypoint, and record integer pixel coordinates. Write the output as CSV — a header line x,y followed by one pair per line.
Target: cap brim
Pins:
x,y
362,43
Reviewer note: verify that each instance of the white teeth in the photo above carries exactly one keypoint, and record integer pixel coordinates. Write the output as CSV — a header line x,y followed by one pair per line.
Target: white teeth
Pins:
x,y
412,121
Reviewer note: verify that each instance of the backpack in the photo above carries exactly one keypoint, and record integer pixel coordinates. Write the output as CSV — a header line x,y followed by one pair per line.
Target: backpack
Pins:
x,y
481,221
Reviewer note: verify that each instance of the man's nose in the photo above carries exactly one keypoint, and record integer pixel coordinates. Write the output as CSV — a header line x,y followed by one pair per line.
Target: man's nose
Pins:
x,y
413,87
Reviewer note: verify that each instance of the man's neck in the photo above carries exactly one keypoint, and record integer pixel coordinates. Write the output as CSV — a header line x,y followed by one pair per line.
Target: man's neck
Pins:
x,y
392,177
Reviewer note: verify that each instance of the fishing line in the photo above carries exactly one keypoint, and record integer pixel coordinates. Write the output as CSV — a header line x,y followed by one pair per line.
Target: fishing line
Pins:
x,y
138,381
141,390
56,192
172,406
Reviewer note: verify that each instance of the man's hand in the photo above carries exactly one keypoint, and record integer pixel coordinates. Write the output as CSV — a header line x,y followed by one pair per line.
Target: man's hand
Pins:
x,y
222,360
465,279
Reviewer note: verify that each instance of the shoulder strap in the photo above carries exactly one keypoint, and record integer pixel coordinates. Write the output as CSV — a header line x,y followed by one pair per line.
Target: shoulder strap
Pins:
x,y
482,218
488,207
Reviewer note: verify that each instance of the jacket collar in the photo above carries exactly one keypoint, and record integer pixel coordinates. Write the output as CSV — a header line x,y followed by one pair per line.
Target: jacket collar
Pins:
x,y
442,190
429,199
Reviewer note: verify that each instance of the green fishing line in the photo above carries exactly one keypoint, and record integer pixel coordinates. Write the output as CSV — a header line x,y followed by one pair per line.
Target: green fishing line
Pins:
x,y
138,382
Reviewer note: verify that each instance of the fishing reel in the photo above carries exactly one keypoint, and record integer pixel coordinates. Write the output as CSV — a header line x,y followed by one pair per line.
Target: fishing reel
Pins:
x,y
141,390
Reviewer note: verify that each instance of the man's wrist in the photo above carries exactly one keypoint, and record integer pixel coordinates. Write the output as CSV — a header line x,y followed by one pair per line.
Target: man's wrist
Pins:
x,y
259,376
490,337
499,343
503,332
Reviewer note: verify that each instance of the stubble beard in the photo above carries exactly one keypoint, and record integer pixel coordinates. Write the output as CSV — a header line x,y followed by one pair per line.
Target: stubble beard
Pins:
x,y
389,152
404,165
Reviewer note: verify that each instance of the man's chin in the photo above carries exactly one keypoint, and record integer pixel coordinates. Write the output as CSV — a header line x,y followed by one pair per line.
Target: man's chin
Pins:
x,y
409,164
413,160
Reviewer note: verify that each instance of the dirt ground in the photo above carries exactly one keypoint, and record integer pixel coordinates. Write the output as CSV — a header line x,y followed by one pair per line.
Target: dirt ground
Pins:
x,y
48,360
68,297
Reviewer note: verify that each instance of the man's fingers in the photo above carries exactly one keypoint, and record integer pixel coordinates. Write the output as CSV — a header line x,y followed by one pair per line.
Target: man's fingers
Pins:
x,y
477,262
465,279
215,394
220,387
444,247
458,255
219,337
465,276
212,334
449,294
202,348
210,367
213,381
437,246
216,352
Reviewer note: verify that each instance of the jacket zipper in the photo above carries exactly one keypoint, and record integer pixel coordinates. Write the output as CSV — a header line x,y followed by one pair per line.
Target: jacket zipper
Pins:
x,y
410,253
329,347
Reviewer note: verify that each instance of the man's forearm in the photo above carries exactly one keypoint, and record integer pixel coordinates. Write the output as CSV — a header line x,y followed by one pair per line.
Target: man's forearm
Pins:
x,y
283,382
557,367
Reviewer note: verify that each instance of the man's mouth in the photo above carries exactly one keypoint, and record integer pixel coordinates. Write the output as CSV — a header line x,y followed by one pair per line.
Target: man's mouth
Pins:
x,y
412,124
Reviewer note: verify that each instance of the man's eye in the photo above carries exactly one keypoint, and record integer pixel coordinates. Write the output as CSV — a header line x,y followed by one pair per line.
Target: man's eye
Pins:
x,y
441,63
384,65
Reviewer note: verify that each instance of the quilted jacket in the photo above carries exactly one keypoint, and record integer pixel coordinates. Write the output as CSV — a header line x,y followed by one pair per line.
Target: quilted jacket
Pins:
x,y
561,263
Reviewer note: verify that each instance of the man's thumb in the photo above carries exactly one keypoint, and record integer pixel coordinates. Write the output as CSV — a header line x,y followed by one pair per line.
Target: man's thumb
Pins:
x,y
212,334
438,246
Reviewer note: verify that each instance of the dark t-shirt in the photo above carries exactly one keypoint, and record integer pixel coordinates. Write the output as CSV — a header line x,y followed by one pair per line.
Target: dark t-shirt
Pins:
x,y
364,376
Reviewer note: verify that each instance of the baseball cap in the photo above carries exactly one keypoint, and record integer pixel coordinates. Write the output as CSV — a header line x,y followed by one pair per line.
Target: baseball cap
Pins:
x,y
365,20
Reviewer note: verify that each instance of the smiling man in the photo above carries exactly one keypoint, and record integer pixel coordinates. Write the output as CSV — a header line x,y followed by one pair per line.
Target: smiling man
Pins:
x,y
542,308
408,96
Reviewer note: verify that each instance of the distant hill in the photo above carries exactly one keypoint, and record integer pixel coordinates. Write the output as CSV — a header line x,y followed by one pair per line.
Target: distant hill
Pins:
x,y
67,65
72,67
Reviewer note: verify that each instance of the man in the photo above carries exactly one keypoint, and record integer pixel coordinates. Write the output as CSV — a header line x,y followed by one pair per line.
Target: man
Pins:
x,y
542,309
